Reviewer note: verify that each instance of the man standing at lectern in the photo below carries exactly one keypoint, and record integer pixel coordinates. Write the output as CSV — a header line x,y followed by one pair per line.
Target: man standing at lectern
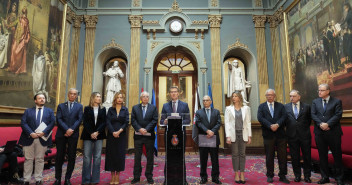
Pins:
x,y
208,121
176,106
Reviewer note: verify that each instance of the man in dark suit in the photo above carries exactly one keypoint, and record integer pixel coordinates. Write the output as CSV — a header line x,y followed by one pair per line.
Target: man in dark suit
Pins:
x,y
326,113
272,115
35,140
208,121
175,106
69,117
298,132
143,119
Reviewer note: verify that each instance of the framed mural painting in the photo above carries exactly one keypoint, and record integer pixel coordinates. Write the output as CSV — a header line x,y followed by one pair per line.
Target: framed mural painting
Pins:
x,y
31,33
320,45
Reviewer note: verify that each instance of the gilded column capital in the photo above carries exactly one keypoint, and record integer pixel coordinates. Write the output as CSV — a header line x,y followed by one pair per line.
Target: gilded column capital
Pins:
x,y
77,21
215,21
259,21
273,21
135,20
70,15
279,14
90,20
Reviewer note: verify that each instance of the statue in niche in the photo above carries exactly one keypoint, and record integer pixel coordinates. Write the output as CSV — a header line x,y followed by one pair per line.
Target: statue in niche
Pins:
x,y
114,84
237,81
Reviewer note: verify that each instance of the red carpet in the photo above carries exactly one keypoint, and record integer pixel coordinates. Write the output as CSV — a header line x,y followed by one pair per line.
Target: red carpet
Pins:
x,y
255,171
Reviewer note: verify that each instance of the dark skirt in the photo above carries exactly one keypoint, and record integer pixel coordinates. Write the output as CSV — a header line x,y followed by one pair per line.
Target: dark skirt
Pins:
x,y
115,152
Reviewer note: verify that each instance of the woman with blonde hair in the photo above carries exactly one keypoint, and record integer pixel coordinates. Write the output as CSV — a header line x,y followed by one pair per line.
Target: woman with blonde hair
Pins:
x,y
238,133
93,134
117,122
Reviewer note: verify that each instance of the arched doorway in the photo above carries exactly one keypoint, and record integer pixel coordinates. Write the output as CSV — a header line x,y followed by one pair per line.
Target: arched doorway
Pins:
x,y
175,66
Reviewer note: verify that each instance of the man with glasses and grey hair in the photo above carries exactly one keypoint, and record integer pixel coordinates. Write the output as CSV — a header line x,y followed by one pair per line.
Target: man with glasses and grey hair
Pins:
x,y
144,118
298,132
327,113
272,116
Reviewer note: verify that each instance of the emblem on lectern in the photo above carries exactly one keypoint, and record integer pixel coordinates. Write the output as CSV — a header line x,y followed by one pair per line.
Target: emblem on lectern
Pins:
x,y
174,140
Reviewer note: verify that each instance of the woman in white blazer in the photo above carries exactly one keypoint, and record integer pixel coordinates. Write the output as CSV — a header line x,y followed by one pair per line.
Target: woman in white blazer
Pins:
x,y
238,133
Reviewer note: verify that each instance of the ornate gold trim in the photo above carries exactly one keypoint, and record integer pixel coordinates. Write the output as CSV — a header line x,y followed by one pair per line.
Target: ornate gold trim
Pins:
x,y
113,44
154,45
214,3
200,22
151,22
147,71
135,20
77,21
70,15
196,44
215,20
258,3
259,21
175,7
136,3
90,20
237,44
91,3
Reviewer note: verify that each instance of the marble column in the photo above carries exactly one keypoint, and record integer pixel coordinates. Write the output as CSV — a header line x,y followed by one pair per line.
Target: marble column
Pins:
x,y
133,94
216,64
77,21
90,21
259,24
63,69
276,58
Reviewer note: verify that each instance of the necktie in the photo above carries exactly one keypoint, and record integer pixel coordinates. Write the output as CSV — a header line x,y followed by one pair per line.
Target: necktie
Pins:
x,y
143,107
71,105
271,110
324,105
208,114
37,121
174,106
296,111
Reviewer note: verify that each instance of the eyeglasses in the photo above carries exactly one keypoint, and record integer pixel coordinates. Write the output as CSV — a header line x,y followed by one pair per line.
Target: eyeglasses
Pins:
x,y
206,100
321,90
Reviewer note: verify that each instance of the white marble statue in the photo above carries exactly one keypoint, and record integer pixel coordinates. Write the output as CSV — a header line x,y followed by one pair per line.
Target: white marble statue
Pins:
x,y
114,84
237,81
3,48
39,73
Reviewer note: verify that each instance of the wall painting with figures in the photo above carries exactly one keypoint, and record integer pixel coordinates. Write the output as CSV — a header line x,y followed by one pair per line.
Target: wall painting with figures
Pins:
x,y
30,41
320,42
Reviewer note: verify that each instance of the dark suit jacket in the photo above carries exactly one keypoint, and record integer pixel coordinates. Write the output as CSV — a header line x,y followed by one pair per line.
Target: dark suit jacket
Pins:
x,y
28,126
298,128
182,107
266,120
89,123
114,122
204,125
332,115
68,119
149,121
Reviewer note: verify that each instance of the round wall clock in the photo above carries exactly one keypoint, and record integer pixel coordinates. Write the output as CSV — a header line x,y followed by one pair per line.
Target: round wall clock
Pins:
x,y
176,26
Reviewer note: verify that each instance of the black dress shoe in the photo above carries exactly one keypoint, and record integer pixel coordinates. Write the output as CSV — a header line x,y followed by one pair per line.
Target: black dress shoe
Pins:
x,y
67,182
150,180
270,180
216,181
297,179
284,180
39,183
57,182
323,181
242,182
203,181
134,181
307,180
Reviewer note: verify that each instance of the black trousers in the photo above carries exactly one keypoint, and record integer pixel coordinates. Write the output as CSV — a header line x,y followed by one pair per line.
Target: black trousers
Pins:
x,y
138,146
65,145
324,142
280,145
296,145
214,156
12,160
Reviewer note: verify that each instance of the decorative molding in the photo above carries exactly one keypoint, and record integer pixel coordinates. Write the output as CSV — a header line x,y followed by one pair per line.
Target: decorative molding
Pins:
x,y
90,20
237,44
70,15
92,3
205,61
214,3
214,20
147,71
154,45
148,34
196,44
279,14
259,21
175,7
258,3
135,20
151,22
273,21
77,21
113,44
136,3
202,33
203,70
200,22
154,34
196,33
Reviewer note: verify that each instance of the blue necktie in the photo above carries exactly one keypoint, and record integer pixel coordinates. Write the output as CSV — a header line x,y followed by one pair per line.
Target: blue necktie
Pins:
x,y
324,105
271,110
71,105
37,121
174,107
208,114
143,107
296,111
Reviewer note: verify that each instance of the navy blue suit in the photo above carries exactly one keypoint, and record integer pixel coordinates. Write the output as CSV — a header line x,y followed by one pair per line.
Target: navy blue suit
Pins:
x,y
274,139
67,119
29,126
